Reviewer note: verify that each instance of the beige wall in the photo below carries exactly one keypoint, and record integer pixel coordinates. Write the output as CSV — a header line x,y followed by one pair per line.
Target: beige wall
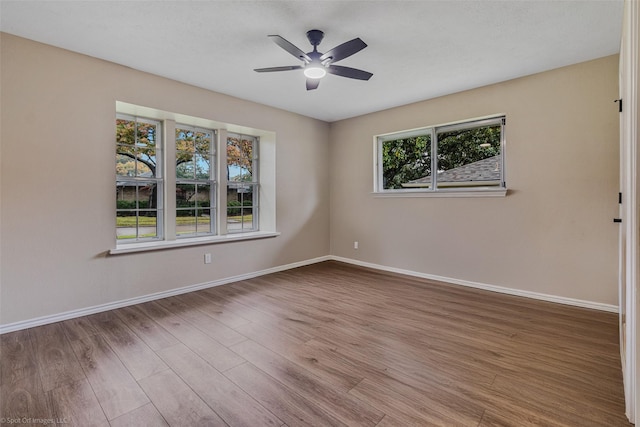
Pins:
x,y
57,119
553,233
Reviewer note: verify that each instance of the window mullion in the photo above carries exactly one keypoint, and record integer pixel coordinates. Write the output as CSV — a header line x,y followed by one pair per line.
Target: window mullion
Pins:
x,y
255,161
434,159
221,158
378,178
502,153
255,178
170,179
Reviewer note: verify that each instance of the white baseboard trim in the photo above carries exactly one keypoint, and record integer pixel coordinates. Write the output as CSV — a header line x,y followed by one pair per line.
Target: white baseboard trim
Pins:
x,y
517,292
44,320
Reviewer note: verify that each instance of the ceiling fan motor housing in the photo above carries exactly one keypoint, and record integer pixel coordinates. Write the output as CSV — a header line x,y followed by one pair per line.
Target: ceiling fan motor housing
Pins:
x,y
315,37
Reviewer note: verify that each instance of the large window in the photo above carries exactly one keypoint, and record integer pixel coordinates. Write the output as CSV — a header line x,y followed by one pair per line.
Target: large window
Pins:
x,y
242,183
168,170
461,156
139,183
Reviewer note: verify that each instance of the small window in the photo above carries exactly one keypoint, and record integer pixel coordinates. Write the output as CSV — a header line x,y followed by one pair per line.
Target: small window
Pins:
x,y
465,156
138,179
242,183
195,181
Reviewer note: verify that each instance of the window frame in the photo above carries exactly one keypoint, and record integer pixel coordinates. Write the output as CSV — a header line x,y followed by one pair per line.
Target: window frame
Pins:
x,y
135,180
254,183
433,189
212,182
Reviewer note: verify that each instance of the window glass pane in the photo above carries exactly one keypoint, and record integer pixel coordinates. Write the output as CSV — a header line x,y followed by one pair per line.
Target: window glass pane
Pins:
x,y
146,162
469,157
245,193
191,218
147,195
240,158
184,166
242,202
185,148
203,196
132,132
185,221
136,148
203,166
125,165
136,224
125,132
184,195
146,134
193,222
193,195
406,162
185,140
136,195
136,200
203,221
234,210
247,219
126,225
126,211
203,141
234,217
147,224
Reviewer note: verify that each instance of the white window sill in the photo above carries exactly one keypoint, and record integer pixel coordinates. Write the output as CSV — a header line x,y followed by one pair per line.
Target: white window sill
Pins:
x,y
502,192
126,248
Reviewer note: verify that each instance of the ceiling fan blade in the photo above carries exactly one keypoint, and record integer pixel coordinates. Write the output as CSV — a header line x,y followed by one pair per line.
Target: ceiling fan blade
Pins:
x,y
352,73
312,84
285,68
290,47
344,50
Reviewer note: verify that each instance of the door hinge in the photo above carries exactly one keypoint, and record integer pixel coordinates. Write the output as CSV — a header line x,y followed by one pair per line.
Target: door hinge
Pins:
x,y
504,121
619,101
620,198
617,219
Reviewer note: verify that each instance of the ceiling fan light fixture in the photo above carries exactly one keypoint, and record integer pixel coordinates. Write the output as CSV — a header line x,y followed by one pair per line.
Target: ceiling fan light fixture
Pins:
x,y
315,71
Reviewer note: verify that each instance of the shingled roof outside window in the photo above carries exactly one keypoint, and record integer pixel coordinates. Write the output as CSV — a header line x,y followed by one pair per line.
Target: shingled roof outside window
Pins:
x,y
484,172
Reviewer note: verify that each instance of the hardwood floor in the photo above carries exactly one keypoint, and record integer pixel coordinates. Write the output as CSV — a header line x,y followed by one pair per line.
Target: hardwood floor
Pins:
x,y
324,345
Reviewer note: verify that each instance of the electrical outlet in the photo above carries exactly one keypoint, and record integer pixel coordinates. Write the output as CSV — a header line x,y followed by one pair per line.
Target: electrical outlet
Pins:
x,y
355,245
207,258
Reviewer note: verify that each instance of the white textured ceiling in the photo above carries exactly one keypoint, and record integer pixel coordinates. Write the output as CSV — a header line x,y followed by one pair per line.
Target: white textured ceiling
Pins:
x,y
417,49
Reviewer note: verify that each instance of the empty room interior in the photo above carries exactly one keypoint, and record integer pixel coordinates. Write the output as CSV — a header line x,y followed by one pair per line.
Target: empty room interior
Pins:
x,y
327,213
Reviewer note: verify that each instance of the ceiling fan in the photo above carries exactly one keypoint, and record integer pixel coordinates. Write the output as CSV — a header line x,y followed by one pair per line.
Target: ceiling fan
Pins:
x,y
317,64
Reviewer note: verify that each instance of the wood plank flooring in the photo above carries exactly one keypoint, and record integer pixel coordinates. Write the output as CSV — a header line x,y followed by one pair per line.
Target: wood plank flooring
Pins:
x,y
324,345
